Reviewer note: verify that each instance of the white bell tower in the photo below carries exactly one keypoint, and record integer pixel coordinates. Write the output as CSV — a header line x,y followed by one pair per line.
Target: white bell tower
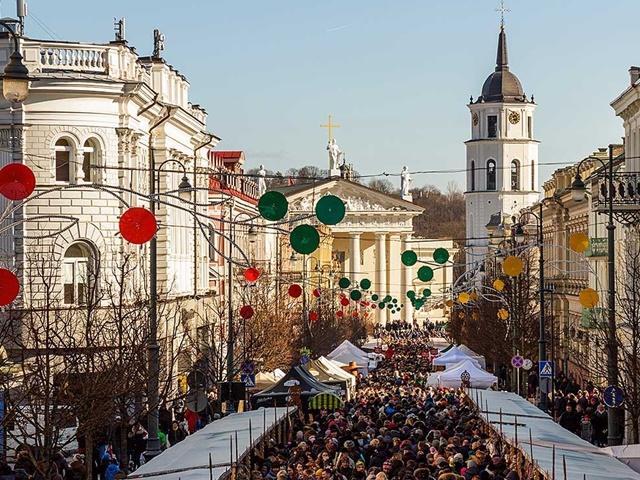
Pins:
x,y
502,155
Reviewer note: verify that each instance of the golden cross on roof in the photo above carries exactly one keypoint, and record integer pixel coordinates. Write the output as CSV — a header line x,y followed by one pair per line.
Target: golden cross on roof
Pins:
x,y
330,126
502,11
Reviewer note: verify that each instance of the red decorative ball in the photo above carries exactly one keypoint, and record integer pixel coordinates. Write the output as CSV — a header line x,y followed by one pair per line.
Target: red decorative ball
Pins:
x,y
316,293
295,290
365,314
355,314
17,181
373,305
251,274
138,225
340,313
246,312
9,287
313,316
344,302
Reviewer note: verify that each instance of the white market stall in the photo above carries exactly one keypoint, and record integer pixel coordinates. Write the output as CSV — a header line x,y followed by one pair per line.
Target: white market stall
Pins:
x,y
451,357
347,352
478,378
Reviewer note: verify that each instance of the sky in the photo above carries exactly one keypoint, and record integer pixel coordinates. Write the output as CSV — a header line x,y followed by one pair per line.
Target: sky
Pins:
x,y
395,74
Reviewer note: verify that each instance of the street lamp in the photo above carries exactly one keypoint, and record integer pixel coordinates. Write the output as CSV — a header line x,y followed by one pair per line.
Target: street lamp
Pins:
x,y
578,191
542,340
15,77
153,349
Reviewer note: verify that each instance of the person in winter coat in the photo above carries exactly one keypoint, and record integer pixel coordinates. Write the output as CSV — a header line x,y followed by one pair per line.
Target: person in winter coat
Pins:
x,y
599,422
112,469
176,434
570,419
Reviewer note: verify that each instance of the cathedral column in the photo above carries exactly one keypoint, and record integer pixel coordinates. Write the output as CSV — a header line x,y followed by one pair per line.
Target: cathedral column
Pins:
x,y
395,267
407,277
381,273
354,256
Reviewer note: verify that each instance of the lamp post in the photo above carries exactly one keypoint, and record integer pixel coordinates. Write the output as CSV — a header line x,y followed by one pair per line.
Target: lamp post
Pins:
x,y
230,336
15,77
153,349
578,194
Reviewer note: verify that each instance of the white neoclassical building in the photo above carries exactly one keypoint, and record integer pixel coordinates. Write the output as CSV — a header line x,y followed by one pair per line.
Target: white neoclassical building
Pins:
x,y
502,154
369,241
95,118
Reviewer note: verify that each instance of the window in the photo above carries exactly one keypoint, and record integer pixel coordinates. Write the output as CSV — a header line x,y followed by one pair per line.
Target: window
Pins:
x,y
76,274
533,175
529,127
473,176
90,160
63,153
515,175
491,175
492,124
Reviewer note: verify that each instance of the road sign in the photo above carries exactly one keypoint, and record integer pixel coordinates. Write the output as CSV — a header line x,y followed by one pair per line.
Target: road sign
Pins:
x,y
249,380
517,361
248,366
613,396
528,364
546,369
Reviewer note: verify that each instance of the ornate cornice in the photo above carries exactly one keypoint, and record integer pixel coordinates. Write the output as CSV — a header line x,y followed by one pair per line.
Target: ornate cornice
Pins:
x,y
631,110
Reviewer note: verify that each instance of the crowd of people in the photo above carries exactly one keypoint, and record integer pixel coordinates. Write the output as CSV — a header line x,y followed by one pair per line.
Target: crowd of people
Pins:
x,y
395,428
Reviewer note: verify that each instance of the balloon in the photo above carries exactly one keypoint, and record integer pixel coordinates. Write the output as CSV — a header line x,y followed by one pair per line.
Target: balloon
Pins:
x,y
503,314
440,255
330,210
246,312
463,297
295,290
425,273
316,293
344,282
355,314
304,239
313,316
17,181
409,258
344,302
498,285
512,266
356,295
9,287
375,297
365,284
251,274
411,294
588,298
340,313
578,242
273,206
138,225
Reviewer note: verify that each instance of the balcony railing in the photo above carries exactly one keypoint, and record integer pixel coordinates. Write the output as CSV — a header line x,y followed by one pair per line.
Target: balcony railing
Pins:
x,y
597,247
625,195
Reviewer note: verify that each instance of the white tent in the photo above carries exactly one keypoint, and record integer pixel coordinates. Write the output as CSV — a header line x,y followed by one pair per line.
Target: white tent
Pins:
x,y
451,357
476,356
347,352
335,370
452,377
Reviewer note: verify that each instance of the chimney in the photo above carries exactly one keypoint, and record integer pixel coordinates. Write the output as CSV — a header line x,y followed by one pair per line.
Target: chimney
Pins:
x,y
634,74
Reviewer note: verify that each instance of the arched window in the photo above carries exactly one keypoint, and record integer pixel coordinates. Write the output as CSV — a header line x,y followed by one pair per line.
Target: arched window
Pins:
x,y
515,175
90,161
533,175
491,175
77,273
63,154
473,176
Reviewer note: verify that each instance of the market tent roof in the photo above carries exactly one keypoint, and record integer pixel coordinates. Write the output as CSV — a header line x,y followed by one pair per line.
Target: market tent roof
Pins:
x,y
476,356
265,380
189,459
453,356
347,352
372,343
580,456
324,377
325,400
627,454
441,343
278,393
451,377
331,366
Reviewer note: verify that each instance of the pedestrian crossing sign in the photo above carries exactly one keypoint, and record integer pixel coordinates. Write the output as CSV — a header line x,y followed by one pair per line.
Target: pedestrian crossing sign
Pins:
x,y
249,380
546,369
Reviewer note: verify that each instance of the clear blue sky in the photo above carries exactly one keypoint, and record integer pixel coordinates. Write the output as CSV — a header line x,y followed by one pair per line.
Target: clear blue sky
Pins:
x,y
396,74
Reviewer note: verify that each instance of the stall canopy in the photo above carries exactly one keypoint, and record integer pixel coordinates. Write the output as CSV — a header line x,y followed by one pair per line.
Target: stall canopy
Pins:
x,y
452,377
278,393
328,379
332,367
347,352
453,356
554,448
476,356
